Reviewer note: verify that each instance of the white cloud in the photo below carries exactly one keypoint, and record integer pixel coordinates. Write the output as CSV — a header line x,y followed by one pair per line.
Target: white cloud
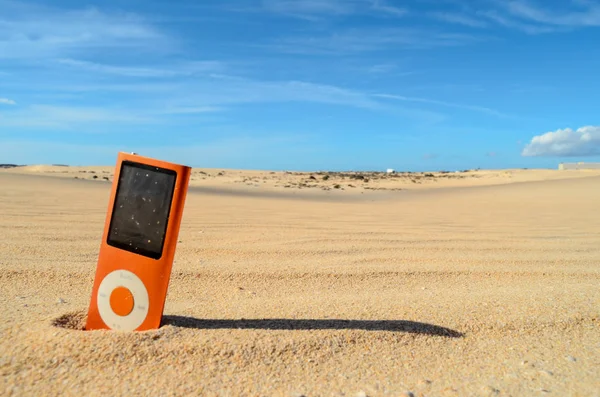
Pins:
x,y
584,141
6,101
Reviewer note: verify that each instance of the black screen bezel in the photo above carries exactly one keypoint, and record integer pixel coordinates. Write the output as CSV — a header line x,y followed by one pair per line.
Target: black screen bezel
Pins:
x,y
127,247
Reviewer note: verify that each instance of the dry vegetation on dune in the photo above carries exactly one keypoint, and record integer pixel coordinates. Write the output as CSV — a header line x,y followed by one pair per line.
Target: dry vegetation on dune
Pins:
x,y
348,182
334,180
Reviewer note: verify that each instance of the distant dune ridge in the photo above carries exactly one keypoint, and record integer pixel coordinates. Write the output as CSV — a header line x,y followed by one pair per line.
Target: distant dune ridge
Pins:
x,y
426,284
353,182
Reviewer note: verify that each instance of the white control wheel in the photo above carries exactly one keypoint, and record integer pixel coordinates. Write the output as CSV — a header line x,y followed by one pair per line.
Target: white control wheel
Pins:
x,y
126,279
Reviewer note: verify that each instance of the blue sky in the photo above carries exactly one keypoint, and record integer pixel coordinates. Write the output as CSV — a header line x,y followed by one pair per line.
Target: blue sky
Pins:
x,y
301,85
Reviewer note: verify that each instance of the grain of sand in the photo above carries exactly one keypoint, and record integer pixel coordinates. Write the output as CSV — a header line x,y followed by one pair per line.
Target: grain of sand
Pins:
x,y
489,290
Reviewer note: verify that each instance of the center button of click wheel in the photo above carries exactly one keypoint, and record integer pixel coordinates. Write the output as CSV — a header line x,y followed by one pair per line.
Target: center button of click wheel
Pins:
x,y
121,301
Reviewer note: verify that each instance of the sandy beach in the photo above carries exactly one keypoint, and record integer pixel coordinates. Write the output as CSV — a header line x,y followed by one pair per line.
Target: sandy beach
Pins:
x,y
474,283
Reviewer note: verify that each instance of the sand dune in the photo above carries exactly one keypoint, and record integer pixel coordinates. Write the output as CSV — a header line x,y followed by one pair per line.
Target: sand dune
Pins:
x,y
488,286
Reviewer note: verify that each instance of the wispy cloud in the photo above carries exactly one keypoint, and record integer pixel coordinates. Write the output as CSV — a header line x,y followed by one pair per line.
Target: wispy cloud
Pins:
x,y
319,9
382,68
6,101
380,5
199,96
590,16
187,69
205,95
515,24
31,31
209,93
522,15
311,9
530,18
366,40
224,89
479,109
453,88
83,87
230,90
460,19
584,141
516,14
193,110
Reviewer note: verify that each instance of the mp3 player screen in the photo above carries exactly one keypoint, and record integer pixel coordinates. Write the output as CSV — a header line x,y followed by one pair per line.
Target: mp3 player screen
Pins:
x,y
141,209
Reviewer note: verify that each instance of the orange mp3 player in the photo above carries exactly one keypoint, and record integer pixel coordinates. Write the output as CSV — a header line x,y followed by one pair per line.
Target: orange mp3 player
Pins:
x,y
138,245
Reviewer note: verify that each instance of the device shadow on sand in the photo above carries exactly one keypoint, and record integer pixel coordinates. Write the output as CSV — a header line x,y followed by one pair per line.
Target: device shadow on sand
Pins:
x,y
309,324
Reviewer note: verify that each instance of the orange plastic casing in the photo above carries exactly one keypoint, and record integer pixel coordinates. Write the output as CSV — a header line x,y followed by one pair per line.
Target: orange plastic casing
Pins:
x,y
154,273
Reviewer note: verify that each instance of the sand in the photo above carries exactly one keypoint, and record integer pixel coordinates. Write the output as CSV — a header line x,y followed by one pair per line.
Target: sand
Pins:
x,y
482,285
